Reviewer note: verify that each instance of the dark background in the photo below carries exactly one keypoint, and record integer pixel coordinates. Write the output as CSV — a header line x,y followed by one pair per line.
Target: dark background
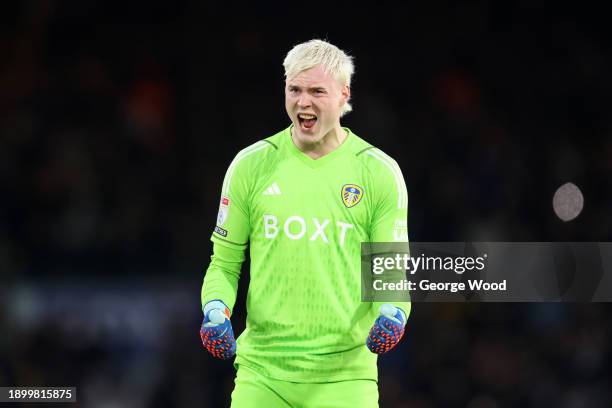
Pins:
x,y
118,121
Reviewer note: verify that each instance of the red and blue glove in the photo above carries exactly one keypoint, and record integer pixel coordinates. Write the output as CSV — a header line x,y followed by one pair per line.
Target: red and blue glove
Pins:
x,y
216,331
388,329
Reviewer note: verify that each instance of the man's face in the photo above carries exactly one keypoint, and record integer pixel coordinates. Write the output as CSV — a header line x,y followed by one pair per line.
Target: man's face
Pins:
x,y
314,100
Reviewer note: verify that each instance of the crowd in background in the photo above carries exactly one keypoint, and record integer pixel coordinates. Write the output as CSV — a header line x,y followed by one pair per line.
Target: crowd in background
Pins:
x,y
117,123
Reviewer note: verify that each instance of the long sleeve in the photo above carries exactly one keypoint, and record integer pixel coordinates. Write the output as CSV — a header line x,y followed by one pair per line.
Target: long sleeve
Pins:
x,y
390,219
222,275
232,230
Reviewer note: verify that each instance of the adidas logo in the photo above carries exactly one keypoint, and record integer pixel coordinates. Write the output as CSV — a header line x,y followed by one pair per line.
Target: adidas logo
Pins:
x,y
272,190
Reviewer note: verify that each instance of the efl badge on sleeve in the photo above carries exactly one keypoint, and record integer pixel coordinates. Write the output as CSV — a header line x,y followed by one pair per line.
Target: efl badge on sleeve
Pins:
x,y
223,211
351,195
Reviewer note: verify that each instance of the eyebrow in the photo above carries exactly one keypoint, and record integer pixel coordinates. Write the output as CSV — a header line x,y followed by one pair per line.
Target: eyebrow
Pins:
x,y
312,88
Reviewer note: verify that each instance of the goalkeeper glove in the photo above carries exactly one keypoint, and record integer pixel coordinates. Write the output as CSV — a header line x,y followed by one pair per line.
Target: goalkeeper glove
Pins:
x,y
216,331
388,329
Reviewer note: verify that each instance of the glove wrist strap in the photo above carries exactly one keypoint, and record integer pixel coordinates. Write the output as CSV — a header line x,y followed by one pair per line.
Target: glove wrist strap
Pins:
x,y
214,304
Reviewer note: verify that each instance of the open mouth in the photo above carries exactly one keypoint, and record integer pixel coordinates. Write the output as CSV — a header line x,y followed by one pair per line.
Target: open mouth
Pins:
x,y
307,121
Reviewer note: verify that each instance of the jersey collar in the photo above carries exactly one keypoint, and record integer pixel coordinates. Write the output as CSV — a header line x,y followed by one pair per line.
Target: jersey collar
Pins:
x,y
321,161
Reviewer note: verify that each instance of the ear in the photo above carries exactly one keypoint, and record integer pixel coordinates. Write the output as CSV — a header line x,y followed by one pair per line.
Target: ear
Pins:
x,y
346,94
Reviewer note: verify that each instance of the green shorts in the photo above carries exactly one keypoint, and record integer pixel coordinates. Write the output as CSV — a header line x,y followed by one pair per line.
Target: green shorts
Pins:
x,y
254,390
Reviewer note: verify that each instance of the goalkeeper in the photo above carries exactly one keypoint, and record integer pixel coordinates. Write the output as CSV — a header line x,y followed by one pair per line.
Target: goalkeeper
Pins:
x,y
303,201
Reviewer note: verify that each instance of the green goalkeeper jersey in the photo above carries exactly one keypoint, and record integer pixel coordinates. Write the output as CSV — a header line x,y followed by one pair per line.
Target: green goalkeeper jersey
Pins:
x,y
304,221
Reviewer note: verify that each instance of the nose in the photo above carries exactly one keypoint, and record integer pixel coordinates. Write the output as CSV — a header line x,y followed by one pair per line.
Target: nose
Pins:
x,y
304,100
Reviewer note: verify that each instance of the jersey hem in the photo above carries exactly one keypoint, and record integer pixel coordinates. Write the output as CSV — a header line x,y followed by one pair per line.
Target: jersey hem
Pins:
x,y
307,378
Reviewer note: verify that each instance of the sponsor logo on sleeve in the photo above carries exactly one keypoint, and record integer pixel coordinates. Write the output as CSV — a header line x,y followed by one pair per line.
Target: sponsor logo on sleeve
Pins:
x,y
221,231
400,230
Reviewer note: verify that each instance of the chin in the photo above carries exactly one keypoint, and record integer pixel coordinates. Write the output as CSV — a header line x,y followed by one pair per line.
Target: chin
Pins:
x,y
309,137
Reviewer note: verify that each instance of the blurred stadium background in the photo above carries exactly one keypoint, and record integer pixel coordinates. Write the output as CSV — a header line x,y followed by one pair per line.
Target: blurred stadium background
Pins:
x,y
118,120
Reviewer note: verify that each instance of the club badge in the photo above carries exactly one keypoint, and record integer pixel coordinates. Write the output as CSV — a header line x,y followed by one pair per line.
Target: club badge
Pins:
x,y
351,195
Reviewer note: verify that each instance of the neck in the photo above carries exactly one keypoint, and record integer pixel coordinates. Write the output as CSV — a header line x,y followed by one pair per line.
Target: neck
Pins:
x,y
330,142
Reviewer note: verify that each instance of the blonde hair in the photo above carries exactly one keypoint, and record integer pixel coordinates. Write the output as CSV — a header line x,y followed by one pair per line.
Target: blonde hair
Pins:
x,y
318,52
